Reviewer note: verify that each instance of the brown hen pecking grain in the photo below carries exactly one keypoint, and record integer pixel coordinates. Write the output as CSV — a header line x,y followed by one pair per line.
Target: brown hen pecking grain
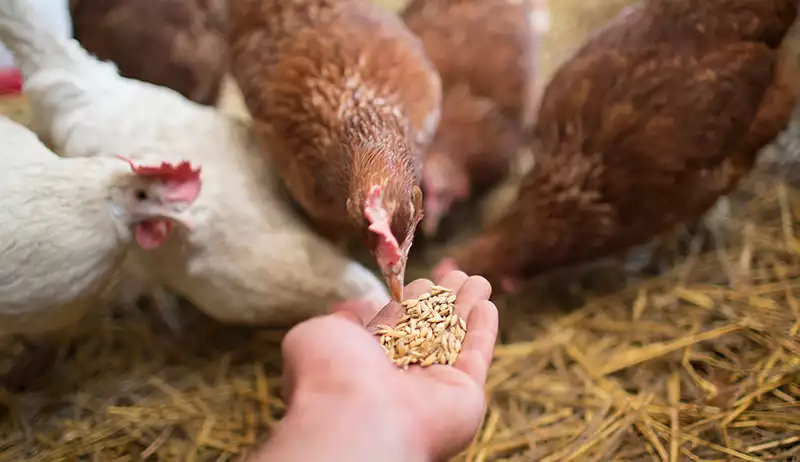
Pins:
x,y
345,101
650,122
485,52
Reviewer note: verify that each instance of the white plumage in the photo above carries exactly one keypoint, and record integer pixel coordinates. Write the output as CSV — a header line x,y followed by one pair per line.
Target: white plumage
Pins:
x,y
250,258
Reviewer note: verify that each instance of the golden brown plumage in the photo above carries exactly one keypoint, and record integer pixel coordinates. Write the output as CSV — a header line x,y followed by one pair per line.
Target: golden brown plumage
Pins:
x,y
180,44
345,101
485,52
645,127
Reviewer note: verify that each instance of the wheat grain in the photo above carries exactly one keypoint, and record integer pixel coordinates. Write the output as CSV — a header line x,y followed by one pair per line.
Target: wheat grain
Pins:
x,y
429,332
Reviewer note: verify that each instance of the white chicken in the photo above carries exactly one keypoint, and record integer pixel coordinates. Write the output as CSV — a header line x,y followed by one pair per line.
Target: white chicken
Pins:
x,y
67,225
250,258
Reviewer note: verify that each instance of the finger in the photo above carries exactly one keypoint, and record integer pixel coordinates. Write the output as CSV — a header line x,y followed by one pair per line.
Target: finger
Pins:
x,y
352,317
478,348
391,312
474,290
454,280
364,310
418,287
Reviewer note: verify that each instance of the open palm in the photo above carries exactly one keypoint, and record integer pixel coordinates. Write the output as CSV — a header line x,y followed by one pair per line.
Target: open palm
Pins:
x,y
337,355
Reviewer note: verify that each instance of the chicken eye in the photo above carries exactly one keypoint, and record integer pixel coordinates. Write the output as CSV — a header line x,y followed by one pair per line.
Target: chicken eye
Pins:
x,y
141,195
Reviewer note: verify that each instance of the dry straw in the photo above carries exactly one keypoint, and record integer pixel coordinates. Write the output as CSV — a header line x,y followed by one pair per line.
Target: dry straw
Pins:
x,y
429,332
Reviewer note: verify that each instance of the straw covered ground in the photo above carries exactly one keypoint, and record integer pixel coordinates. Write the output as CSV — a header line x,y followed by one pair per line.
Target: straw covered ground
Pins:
x,y
701,362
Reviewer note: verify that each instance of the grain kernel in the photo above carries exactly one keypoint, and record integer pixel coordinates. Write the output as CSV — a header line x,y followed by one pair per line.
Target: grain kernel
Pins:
x,y
428,361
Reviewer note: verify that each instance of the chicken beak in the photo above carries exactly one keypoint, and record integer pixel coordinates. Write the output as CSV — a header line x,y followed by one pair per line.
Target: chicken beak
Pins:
x,y
395,283
182,218
394,276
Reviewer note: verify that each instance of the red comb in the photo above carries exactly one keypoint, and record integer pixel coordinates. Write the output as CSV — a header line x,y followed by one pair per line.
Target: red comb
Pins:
x,y
166,171
10,81
378,218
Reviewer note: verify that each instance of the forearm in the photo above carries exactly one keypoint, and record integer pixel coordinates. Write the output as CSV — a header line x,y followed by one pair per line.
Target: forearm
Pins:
x,y
347,430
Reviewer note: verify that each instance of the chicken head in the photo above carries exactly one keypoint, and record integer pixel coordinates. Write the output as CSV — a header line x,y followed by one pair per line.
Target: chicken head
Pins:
x,y
445,182
388,219
155,198
472,150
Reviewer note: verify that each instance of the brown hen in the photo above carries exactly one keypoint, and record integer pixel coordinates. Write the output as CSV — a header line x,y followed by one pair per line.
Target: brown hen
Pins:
x,y
345,101
179,44
485,52
653,120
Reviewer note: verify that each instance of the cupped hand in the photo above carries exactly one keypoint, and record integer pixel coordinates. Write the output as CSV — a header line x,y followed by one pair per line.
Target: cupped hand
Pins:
x,y
338,357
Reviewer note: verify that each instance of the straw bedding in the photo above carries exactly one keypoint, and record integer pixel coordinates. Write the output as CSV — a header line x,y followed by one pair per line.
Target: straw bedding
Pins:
x,y
701,362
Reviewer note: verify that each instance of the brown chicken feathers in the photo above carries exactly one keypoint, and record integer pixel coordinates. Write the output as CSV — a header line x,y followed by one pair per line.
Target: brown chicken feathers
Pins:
x,y
485,52
645,127
345,102
179,44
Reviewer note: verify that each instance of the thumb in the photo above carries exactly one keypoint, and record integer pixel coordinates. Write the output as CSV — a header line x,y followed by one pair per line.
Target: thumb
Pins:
x,y
310,339
363,310
314,349
348,316
311,343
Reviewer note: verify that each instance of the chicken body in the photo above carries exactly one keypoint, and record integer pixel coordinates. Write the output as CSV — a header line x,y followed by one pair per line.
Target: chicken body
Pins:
x,y
573,23
485,52
345,100
180,44
67,225
248,259
654,119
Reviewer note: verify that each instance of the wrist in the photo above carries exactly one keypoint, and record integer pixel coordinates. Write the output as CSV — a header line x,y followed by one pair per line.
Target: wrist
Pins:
x,y
348,428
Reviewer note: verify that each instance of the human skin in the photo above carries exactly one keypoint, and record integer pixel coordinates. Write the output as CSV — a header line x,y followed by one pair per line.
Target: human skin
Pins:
x,y
348,402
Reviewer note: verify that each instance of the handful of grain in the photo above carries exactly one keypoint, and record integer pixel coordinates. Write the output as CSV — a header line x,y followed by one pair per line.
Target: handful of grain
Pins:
x,y
430,332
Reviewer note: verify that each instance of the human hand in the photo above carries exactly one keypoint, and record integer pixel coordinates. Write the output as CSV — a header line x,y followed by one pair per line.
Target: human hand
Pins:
x,y
436,411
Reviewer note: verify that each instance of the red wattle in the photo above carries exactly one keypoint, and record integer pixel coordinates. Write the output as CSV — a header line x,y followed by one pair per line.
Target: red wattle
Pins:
x,y
151,234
